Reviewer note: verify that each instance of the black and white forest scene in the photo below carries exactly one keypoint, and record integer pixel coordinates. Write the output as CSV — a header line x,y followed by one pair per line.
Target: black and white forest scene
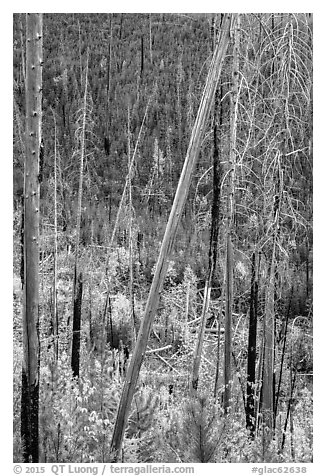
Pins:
x,y
162,239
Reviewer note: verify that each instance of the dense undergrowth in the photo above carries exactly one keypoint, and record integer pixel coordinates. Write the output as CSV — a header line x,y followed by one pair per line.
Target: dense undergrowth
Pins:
x,y
165,424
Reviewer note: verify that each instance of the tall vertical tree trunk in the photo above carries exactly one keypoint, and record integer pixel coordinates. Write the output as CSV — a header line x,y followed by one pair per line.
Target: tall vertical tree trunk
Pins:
x,y
108,84
283,355
289,407
22,239
217,178
77,285
230,217
179,107
150,39
268,389
259,385
228,324
55,253
218,353
268,371
142,59
251,364
212,256
75,351
167,243
31,347
109,60
131,250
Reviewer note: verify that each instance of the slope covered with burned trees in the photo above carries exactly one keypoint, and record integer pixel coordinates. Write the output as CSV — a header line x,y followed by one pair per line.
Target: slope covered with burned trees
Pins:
x,y
173,267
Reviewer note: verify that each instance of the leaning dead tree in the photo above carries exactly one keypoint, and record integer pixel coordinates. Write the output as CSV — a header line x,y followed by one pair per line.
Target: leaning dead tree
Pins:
x,y
167,243
31,346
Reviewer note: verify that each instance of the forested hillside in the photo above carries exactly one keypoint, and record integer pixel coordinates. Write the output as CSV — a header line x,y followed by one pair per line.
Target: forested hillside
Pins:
x,y
226,372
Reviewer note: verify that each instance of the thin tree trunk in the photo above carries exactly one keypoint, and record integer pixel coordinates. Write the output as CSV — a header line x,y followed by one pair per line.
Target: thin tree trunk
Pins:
x,y
212,256
268,373
258,389
90,322
179,109
230,217
307,268
77,285
31,345
131,274
187,308
141,57
217,372
269,326
22,246
228,325
283,356
109,62
290,403
109,323
55,255
217,178
150,39
80,55
167,243
75,352
251,367
108,88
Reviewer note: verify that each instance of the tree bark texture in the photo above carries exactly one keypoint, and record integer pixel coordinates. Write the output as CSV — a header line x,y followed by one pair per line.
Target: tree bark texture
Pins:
x,y
31,346
167,243
230,217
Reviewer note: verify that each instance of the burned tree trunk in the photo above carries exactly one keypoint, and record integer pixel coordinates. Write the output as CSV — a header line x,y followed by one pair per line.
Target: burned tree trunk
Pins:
x,y
31,346
252,344
77,285
212,256
75,353
230,217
